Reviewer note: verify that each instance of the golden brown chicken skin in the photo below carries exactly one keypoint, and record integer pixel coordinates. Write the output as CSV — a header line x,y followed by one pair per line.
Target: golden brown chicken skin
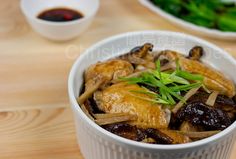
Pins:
x,y
122,98
107,71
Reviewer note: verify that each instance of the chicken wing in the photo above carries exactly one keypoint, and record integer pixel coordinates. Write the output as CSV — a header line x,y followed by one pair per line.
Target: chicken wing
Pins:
x,y
101,73
213,79
126,98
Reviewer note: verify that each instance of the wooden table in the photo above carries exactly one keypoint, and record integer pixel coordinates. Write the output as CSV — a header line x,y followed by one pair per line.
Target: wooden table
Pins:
x,y
35,118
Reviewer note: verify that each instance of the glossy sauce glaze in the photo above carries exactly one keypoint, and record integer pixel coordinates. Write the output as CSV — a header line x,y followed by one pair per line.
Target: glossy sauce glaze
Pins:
x,y
60,15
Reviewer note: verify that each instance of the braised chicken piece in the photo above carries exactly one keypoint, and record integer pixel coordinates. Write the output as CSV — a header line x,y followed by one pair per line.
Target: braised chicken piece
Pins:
x,y
106,71
102,73
213,79
123,98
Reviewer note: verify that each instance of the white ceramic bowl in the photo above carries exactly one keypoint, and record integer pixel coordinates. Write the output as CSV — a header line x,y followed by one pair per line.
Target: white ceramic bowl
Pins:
x,y
97,143
189,26
63,30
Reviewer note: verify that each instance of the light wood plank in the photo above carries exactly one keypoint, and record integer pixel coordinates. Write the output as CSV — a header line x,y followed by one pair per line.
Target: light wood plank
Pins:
x,y
41,133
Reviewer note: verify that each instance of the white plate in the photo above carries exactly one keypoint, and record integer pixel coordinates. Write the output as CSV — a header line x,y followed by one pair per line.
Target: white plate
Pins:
x,y
190,26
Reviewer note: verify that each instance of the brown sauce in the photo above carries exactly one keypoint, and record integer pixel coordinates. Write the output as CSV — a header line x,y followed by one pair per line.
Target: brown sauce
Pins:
x,y
60,15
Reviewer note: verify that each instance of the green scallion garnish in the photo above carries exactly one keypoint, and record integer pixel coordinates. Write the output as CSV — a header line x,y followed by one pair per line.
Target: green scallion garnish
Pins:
x,y
168,84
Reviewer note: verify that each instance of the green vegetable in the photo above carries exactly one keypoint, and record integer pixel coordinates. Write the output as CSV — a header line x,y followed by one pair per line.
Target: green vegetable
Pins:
x,y
188,76
168,84
185,87
170,78
207,13
227,22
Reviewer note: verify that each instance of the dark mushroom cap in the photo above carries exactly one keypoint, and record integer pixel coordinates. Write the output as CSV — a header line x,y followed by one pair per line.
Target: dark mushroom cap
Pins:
x,y
198,113
196,53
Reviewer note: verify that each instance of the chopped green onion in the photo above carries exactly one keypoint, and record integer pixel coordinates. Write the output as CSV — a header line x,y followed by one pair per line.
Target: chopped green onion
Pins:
x,y
162,101
189,76
158,68
185,87
178,79
170,84
170,78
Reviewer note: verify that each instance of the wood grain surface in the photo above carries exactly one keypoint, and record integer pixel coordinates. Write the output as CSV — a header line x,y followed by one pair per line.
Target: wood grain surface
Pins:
x,y
35,119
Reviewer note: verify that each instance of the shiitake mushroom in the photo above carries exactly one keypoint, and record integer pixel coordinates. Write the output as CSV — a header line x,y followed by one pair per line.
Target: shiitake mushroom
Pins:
x,y
142,50
158,136
137,134
225,103
126,131
222,102
196,53
199,114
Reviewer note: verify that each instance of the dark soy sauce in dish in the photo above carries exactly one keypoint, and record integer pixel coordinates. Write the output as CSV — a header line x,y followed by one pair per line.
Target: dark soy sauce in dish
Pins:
x,y
60,15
